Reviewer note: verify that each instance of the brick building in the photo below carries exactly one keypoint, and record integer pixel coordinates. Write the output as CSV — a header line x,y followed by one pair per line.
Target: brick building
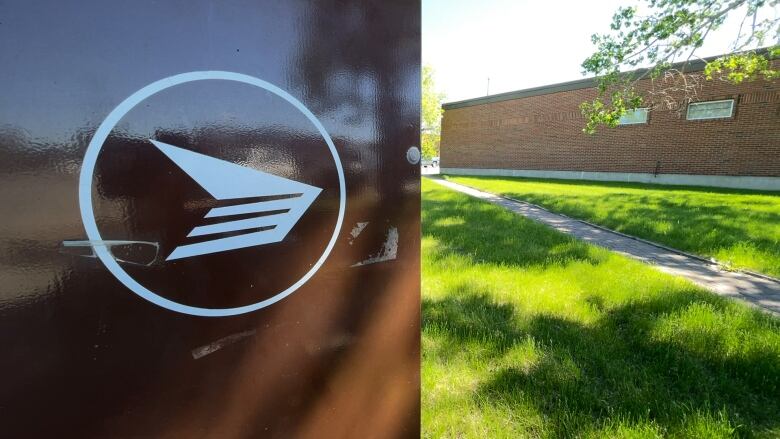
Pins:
x,y
729,137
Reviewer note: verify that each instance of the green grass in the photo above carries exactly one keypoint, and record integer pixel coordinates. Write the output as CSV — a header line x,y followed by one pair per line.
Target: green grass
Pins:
x,y
740,229
530,333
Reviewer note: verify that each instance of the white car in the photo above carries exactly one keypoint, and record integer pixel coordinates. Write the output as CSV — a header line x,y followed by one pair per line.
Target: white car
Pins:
x,y
431,162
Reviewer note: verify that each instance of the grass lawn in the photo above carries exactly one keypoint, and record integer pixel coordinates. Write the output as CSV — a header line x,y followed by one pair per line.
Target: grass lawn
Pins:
x,y
738,228
530,333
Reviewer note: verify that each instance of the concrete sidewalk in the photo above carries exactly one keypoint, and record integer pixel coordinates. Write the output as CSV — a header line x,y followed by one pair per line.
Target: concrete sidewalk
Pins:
x,y
759,291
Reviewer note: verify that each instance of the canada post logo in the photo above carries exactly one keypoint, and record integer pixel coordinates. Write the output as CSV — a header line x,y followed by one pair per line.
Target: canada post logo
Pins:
x,y
236,237
228,181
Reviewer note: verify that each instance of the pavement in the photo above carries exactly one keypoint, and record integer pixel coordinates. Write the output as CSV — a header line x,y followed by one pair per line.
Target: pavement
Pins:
x,y
760,291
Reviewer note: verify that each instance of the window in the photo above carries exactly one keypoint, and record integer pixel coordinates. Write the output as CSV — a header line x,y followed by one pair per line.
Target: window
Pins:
x,y
710,110
634,117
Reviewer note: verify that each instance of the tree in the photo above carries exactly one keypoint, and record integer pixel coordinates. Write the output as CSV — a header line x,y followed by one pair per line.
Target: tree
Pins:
x,y
671,33
430,114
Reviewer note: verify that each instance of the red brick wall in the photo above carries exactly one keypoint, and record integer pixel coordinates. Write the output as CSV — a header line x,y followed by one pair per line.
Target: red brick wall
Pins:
x,y
545,133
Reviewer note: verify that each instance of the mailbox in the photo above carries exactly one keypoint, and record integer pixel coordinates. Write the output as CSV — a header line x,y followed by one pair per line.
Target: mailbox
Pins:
x,y
210,218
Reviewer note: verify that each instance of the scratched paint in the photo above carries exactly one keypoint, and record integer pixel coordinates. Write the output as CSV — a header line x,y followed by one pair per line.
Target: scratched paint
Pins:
x,y
212,347
130,252
388,252
356,231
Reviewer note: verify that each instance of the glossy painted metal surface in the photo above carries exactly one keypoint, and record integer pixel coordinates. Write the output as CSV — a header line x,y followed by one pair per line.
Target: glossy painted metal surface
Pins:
x,y
83,354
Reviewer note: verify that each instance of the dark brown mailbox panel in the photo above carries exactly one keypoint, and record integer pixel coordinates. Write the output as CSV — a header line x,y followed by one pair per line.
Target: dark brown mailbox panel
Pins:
x,y
210,218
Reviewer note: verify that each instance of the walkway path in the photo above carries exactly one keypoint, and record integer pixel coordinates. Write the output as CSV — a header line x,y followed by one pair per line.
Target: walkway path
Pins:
x,y
757,290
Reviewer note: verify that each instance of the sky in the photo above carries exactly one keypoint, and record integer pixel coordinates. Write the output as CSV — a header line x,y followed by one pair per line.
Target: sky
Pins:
x,y
520,44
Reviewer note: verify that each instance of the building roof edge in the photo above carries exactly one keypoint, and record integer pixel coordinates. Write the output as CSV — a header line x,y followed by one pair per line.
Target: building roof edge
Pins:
x,y
690,66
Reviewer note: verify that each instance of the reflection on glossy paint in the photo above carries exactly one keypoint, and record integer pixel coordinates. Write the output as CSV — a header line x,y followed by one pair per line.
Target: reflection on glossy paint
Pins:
x,y
81,353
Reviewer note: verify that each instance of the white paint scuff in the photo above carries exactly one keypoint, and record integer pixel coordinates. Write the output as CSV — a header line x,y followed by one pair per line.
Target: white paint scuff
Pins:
x,y
356,231
389,249
210,348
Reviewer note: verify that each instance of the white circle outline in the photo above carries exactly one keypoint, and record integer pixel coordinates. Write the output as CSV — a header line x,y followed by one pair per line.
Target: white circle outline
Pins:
x,y
88,169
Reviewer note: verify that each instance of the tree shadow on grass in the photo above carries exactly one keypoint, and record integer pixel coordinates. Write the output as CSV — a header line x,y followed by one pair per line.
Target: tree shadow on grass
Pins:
x,y
686,224
487,233
469,316
619,369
